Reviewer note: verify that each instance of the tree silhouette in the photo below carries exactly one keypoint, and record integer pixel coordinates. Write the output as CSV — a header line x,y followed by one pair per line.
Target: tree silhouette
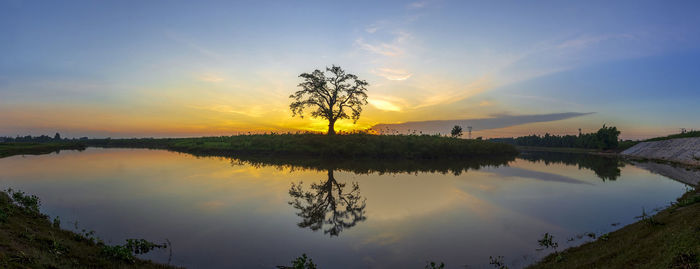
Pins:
x,y
330,96
456,131
326,207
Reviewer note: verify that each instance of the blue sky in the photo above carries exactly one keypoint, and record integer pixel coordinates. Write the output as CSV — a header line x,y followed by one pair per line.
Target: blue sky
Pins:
x,y
171,68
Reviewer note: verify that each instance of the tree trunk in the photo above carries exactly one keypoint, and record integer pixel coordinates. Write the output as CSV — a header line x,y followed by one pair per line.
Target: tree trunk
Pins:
x,y
331,127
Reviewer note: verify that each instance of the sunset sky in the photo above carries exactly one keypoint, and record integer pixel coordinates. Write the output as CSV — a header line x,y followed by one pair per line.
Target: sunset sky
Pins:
x,y
170,68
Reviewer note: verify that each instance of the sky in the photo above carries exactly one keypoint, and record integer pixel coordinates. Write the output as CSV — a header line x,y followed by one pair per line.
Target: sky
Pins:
x,y
186,68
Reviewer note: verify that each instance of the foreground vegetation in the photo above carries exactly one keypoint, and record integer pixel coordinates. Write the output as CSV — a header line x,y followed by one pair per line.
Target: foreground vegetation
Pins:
x,y
36,148
325,146
669,239
28,239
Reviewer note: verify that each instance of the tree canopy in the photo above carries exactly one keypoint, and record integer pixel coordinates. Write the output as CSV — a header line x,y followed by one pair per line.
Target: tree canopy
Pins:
x,y
332,95
456,131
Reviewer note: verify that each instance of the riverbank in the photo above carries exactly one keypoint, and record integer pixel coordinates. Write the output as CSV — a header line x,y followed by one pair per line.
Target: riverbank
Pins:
x,y
28,239
26,148
678,150
324,146
669,239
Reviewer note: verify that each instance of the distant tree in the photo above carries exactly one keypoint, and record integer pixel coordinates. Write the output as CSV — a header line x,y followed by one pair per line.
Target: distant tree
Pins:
x,y
331,97
608,137
456,131
57,136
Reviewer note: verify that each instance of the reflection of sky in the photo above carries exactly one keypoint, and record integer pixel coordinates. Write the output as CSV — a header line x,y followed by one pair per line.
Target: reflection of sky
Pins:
x,y
218,215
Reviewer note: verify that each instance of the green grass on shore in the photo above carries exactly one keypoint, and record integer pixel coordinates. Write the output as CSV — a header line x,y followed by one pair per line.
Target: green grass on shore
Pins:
x,y
669,239
673,136
317,145
25,148
28,239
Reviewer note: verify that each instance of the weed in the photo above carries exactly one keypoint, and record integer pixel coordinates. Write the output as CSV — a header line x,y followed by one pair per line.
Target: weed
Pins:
x,y
302,262
604,237
56,222
3,215
126,252
434,265
30,203
497,262
685,260
547,241
648,219
141,246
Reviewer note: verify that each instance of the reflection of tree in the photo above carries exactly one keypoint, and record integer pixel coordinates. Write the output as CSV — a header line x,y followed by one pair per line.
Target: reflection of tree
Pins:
x,y
606,168
325,206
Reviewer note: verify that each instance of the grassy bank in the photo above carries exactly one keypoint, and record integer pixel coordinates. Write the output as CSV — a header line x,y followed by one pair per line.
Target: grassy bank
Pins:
x,y
28,239
22,148
316,145
669,239
674,136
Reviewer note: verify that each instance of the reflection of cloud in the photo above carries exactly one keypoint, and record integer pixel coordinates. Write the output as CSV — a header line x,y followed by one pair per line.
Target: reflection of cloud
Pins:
x,y
498,121
544,176
392,74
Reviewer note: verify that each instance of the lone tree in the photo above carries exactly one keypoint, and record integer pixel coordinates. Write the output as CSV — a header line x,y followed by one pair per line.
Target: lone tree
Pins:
x,y
331,97
456,131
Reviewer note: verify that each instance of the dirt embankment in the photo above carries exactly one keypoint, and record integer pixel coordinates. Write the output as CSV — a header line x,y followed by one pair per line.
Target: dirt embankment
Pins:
x,y
679,150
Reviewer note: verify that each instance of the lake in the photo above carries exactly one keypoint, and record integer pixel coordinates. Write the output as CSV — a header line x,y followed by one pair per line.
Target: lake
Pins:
x,y
255,213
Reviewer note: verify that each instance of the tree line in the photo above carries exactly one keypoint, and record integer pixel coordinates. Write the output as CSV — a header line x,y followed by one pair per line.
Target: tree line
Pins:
x,y
36,139
606,137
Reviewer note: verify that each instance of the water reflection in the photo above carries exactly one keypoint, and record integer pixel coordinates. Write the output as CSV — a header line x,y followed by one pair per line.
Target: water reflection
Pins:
x,y
406,213
605,167
328,206
365,166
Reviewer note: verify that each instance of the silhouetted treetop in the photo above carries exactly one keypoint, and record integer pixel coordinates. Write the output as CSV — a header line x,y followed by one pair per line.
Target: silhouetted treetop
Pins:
x,y
331,95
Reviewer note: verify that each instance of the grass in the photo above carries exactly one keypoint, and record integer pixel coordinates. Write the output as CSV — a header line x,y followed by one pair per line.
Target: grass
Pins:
x,y
317,145
22,148
29,240
673,136
670,240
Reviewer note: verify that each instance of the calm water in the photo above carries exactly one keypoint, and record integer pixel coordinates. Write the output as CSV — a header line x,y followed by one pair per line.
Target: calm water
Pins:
x,y
220,213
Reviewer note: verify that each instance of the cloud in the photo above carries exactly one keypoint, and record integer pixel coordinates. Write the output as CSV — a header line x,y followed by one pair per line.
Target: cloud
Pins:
x,y
383,105
381,48
485,103
417,5
210,78
498,121
590,40
392,74
392,49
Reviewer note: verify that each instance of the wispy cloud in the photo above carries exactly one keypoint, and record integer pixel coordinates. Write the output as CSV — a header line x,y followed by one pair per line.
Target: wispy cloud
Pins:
x,y
392,49
392,74
381,48
210,78
586,41
383,104
417,5
192,45
485,103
